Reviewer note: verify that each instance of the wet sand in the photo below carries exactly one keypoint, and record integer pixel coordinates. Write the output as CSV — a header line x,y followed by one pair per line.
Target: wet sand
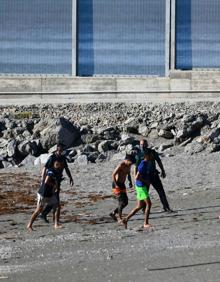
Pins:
x,y
184,246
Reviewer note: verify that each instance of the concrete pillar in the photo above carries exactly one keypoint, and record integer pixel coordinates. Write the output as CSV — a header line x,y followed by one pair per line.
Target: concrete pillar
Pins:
x,y
167,41
173,36
74,37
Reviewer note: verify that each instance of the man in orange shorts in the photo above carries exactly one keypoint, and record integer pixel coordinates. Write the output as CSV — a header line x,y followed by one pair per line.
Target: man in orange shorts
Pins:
x,y
119,176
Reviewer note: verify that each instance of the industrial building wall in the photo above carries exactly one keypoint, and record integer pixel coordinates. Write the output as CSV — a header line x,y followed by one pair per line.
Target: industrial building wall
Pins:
x,y
108,37
197,34
36,36
121,37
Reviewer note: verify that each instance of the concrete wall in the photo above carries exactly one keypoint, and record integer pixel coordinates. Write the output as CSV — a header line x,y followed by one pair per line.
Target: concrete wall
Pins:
x,y
179,85
177,81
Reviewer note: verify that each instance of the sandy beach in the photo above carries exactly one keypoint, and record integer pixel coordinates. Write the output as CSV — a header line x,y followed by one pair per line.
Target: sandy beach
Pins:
x,y
184,246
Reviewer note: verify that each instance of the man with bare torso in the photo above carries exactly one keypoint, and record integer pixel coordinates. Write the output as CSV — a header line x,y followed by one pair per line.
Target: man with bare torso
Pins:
x,y
119,176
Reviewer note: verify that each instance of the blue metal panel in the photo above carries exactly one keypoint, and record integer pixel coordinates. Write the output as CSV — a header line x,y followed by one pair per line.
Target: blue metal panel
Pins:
x,y
121,37
35,36
197,34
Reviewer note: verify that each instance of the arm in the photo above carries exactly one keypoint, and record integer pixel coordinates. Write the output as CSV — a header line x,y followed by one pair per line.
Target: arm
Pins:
x,y
47,166
138,161
47,180
43,174
115,172
69,175
130,180
159,162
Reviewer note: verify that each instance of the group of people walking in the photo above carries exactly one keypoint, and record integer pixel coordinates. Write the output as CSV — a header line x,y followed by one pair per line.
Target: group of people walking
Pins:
x,y
48,196
145,174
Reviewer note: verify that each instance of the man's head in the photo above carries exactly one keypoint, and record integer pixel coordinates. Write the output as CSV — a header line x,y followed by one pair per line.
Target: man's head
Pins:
x,y
59,149
130,159
143,144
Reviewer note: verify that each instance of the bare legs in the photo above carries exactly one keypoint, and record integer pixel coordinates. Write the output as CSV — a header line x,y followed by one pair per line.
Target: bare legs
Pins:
x,y
33,217
139,206
57,218
38,211
122,203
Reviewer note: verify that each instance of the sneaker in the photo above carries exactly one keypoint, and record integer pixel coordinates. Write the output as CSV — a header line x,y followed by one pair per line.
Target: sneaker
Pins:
x,y
168,210
113,216
44,218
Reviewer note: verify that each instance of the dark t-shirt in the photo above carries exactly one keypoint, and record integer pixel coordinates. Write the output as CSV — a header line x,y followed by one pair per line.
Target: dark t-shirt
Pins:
x,y
47,190
62,160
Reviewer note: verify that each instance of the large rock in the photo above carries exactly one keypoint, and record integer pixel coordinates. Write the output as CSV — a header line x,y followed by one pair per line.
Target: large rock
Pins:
x,y
6,164
165,134
126,139
108,132
82,160
3,143
143,129
42,159
28,161
213,148
12,148
92,157
2,125
131,125
90,138
104,146
59,131
215,133
195,147
32,147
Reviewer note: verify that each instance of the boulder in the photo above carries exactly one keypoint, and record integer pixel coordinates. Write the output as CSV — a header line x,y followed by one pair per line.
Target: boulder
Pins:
x,y
211,148
12,148
3,143
118,156
93,156
18,130
101,158
88,148
8,134
6,164
32,147
108,132
82,160
143,129
126,139
164,147
131,125
42,159
195,147
165,134
154,125
2,125
90,138
59,131
28,161
215,133
26,134
153,134
104,146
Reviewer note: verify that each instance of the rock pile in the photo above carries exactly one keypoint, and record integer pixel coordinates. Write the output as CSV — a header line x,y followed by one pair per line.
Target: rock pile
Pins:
x,y
93,132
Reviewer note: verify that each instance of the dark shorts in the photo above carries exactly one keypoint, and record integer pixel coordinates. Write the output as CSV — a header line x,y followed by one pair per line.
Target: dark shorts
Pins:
x,y
119,185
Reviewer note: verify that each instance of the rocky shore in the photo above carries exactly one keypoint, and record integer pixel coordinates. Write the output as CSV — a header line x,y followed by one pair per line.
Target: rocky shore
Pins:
x,y
184,245
96,132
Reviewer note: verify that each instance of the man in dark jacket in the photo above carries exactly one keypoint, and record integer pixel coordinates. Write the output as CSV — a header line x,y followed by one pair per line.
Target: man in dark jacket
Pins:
x,y
155,178
59,157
